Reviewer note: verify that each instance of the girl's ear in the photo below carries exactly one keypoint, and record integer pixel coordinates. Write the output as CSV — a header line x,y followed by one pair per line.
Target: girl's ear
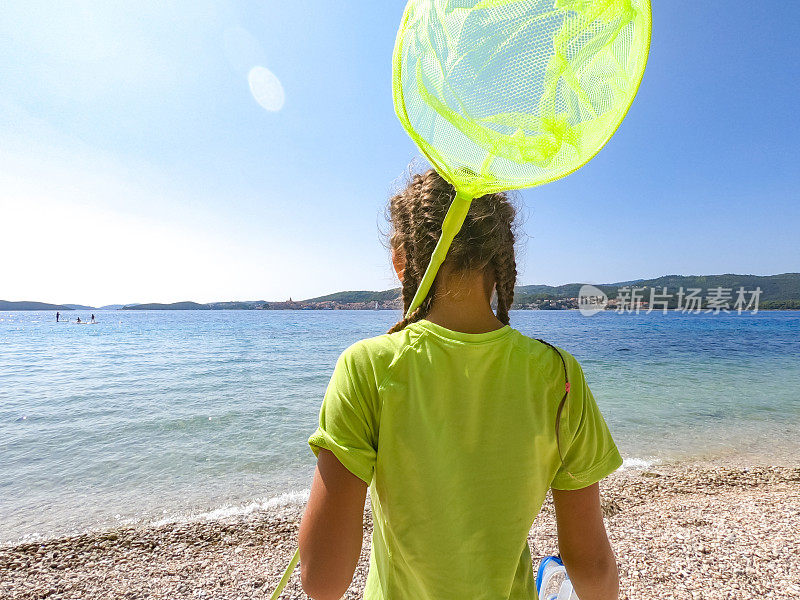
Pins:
x,y
399,262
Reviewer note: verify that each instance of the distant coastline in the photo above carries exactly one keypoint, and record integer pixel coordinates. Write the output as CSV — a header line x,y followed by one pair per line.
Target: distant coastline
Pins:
x,y
777,292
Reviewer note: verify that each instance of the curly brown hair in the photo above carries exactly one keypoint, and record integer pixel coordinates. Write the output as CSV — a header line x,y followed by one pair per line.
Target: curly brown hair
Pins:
x,y
485,242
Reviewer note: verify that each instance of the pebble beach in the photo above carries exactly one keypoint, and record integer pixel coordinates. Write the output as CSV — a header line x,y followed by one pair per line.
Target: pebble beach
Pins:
x,y
698,531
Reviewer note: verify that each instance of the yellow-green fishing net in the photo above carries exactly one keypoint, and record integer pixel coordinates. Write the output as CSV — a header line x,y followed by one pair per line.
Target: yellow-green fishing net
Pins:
x,y
505,94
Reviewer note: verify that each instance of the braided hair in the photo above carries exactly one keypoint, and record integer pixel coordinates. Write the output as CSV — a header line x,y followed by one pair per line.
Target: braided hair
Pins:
x,y
485,242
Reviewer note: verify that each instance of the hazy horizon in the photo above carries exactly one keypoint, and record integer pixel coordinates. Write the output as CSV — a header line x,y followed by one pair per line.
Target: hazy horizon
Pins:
x,y
358,289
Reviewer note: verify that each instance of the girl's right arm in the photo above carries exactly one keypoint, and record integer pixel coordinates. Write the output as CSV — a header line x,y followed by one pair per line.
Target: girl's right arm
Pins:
x,y
583,543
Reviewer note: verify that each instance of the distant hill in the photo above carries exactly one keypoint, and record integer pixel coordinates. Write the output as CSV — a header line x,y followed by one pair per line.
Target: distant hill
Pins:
x,y
80,307
568,290
359,296
234,305
173,306
774,288
26,305
777,291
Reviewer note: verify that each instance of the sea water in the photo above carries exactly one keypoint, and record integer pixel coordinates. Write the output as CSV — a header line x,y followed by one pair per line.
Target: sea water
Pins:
x,y
151,416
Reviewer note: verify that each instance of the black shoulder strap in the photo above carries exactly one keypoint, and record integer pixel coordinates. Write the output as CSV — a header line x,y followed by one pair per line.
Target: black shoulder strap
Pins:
x,y
563,397
563,363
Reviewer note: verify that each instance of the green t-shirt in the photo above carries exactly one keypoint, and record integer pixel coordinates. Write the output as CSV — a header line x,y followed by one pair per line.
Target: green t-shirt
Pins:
x,y
455,434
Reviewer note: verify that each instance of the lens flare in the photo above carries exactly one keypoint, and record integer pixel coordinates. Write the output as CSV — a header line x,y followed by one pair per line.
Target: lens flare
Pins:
x,y
266,88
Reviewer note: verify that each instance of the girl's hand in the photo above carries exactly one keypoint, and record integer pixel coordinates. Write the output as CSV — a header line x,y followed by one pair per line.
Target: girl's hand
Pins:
x,y
331,530
584,545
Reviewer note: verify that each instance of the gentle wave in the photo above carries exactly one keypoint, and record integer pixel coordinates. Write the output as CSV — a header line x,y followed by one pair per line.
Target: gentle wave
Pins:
x,y
288,499
633,463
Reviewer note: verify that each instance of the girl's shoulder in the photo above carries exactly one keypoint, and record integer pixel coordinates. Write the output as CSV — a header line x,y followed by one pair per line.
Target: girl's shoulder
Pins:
x,y
549,358
376,355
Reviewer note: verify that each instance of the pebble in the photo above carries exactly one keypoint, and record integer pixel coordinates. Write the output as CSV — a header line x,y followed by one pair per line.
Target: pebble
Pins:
x,y
705,532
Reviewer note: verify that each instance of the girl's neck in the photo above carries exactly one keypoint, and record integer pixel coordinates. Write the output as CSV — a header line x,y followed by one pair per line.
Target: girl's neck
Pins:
x,y
462,303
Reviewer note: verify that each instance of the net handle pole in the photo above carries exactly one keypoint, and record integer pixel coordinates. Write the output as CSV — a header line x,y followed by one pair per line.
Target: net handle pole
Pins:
x,y
286,574
451,225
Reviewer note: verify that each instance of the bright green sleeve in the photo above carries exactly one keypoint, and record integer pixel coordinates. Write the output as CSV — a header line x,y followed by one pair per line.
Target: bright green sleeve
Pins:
x,y
588,449
347,420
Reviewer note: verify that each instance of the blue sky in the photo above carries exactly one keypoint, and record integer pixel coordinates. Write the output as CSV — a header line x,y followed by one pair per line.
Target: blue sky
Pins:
x,y
136,165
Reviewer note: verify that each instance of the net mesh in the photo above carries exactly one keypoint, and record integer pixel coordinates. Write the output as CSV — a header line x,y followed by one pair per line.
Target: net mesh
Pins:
x,y
506,94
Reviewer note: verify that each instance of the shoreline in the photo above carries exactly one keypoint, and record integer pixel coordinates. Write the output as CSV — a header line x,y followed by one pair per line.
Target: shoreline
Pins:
x,y
707,529
524,308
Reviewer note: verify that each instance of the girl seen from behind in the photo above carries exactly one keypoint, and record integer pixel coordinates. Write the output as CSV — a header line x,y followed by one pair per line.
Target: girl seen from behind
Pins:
x,y
459,424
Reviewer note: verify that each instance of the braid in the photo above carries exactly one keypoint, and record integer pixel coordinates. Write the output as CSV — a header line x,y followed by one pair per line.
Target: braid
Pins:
x,y
415,316
505,268
486,240
410,285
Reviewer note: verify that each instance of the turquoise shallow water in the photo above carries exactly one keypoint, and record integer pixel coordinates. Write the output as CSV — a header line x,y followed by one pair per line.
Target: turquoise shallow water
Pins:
x,y
162,415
